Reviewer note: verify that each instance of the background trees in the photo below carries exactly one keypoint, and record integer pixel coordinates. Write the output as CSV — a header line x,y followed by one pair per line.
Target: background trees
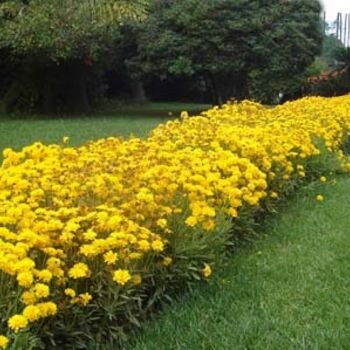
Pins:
x,y
53,44
67,53
235,48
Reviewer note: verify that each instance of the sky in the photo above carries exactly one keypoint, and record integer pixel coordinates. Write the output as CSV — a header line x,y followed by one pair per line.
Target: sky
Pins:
x,y
332,7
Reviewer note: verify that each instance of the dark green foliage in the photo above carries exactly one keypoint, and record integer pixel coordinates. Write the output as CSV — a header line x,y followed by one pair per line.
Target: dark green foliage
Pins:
x,y
56,45
63,29
330,49
236,48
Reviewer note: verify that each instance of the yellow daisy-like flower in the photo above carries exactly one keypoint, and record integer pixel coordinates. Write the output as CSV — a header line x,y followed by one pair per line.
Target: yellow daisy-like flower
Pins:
x,y
319,198
70,292
144,245
207,271
47,309
45,275
209,225
121,276
191,221
65,139
32,313
85,298
232,212
28,298
17,322
25,279
274,195
136,279
79,270
41,290
167,261
158,245
110,257
162,223
3,342
323,179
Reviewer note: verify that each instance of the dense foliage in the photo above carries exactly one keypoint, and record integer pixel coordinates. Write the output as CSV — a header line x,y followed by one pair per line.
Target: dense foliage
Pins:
x,y
91,238
53,44
65,54
238,49
63,29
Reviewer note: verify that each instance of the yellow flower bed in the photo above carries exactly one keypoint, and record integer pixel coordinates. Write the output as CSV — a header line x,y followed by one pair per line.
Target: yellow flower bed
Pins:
x,y
68,214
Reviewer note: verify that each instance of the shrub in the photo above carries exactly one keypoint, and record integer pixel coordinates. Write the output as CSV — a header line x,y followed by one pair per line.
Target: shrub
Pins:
x,y
93,238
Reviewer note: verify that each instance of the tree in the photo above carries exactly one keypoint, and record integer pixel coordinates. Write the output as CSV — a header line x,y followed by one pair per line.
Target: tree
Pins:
x,y
330,48
238,48
57,39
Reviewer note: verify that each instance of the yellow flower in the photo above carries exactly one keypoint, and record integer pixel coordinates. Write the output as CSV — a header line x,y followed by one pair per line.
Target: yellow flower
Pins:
x,y
111,199
162,223
17,322
319,198
232,212
167,261
79,270
191,221
209,225
157,245
110,257
32,313
136,279
135,256
207,271
274,195
65,139
45,275
3,342
70,292
85,298
144,245
121,276
28,298
41,290
47,309
25,279
89,235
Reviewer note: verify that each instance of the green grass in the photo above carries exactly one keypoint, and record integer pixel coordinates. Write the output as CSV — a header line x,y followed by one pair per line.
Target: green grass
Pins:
x,y
16,132
289,289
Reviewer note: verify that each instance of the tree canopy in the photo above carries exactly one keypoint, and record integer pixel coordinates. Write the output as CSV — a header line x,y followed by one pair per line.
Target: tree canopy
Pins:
x,y
64,29
235,46
63,52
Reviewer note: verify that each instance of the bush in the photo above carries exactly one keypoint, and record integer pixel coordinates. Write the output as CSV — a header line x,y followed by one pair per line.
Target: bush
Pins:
x,y
94,238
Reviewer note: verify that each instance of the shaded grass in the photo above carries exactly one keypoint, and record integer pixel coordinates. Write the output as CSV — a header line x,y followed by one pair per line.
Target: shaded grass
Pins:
x,y
287,290
18,131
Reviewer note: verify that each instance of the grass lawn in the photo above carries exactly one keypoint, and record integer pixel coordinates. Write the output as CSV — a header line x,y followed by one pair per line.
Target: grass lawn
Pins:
x,y
290,289
16,132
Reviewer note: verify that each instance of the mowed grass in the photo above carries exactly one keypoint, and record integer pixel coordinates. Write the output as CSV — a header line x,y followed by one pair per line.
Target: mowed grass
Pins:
x,y
289,289
139,120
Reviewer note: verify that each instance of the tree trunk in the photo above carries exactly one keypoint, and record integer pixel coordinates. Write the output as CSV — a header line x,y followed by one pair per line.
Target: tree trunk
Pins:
x,y
47,98
75,94
138,92
10,97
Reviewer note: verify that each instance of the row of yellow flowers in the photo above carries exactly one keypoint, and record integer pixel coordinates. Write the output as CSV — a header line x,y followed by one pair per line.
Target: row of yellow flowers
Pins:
x,y
67,213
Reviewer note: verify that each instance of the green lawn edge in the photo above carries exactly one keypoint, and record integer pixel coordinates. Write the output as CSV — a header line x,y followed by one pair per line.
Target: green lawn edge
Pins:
x,y
21,130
